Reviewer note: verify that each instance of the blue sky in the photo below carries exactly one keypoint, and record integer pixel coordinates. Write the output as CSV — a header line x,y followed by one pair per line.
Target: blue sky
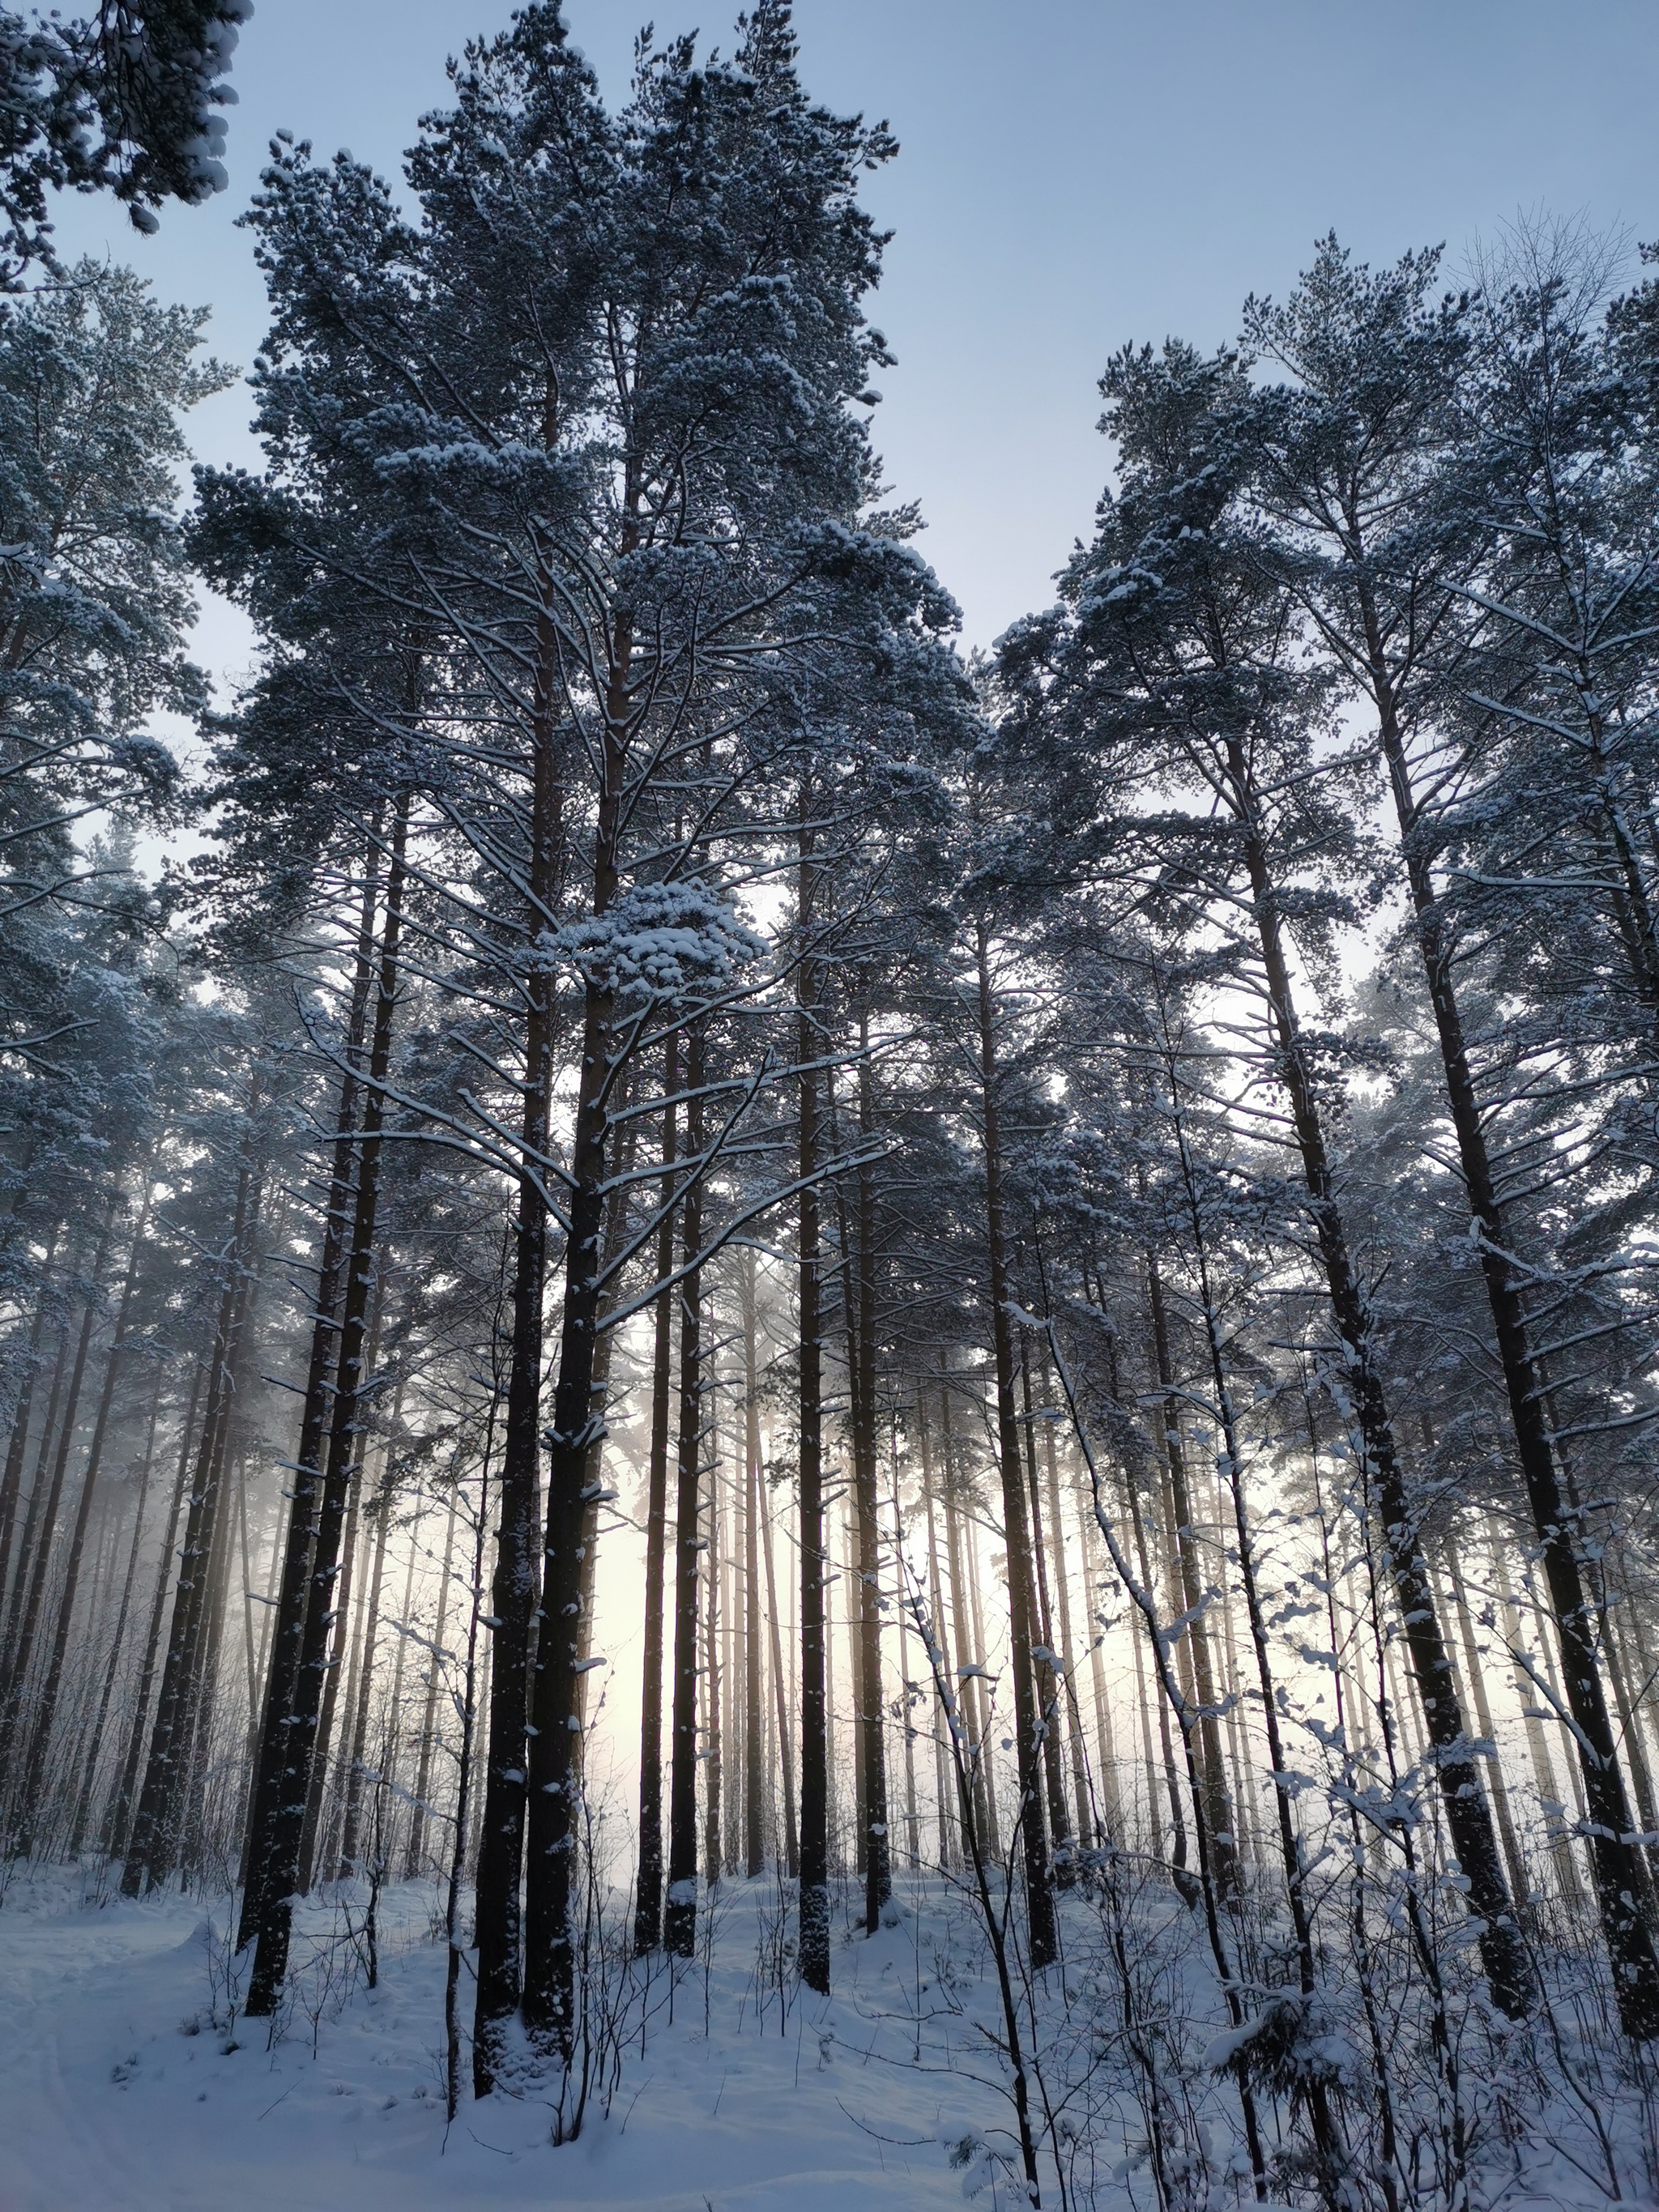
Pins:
x,y
1074,173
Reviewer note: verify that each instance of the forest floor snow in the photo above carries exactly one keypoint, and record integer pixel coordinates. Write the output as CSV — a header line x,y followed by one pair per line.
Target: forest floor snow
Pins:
x,y
118,2094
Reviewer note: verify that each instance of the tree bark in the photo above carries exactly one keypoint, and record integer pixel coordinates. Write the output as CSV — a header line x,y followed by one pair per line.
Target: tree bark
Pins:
x,y
648,1894
877,1850
1042,1932
680,1918
271,1778
754,1488
273,1873
812,1952
149,1853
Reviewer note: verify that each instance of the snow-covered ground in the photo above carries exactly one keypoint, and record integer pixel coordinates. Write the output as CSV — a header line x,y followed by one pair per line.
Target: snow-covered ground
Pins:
x,y
116,2094
127,2084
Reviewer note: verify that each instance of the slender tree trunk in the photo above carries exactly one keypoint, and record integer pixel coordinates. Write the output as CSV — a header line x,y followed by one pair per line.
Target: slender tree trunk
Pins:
x,y
340,1605
166,1772
1048,1670
11,1478
714,1747
117,1825
1217,1809
680,1918
1039,1887
52,1687
413,1857
95,1743
28,1617
779,1693
753,1766
351,1826
873,1768
949,1843
1068,1653
647,1896
812,1952
44,1445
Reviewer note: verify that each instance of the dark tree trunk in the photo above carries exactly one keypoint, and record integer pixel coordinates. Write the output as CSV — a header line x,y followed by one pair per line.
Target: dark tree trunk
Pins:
x,y
878,1850
516,1586
556,1747
1039,1884
714,1856
779,1696
1048,1674
150,1854
680,1918
272,1779
341,1608
44,1446
812,1951
754,1491
275,1870
1218,1811
116,1826
647,1904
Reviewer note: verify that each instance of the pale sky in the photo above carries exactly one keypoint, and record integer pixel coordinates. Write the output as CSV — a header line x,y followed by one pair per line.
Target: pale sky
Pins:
x,y
1074,173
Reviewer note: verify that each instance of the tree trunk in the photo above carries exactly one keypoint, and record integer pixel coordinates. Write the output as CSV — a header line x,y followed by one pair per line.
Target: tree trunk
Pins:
x,y
275,1870
1039,1888
1218,1811
27,1617
272,1778
150,1848
878,1855
117,1825
1500,1795
647,1896
554,1763
680,1919
516,1584
812,1953
412,1858
340,1607
1049,1671
351,1831
12,1477
89,1766
780,1694
754,1487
